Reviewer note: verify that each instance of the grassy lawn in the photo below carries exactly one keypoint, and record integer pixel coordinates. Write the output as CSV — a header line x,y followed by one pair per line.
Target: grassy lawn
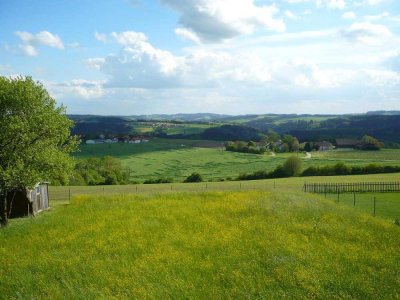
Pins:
x,y
177,159
210,245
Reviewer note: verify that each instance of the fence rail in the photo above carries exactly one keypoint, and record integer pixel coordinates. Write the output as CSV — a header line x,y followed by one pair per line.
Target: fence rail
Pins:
x,y
356,187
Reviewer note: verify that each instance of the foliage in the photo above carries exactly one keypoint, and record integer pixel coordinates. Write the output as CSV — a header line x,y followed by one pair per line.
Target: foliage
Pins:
x,y
370,143
288,143
194,177
342,169
158,180
250,147
100,171
293,166
309,146
35,140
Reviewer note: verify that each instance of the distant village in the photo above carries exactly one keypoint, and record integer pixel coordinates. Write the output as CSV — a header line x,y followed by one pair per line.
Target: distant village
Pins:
x,y
113,140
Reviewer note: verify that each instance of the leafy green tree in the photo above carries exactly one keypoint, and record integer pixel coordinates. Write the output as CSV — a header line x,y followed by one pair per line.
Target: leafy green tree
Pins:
x,y
293,166
194,177
35,140
308,146
370,143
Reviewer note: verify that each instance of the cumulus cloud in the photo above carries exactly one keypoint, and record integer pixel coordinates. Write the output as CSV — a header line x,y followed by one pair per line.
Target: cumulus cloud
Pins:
x,y
187,35
138,64
77,88
216,20
30,41
141,65
366,33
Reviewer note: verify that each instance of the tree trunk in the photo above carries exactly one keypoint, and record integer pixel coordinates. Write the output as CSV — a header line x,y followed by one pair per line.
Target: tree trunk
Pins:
x,y
3,209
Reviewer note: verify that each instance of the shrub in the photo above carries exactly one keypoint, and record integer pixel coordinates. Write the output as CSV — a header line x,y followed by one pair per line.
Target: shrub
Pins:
x,y
342,169
158,180
293,166
194,177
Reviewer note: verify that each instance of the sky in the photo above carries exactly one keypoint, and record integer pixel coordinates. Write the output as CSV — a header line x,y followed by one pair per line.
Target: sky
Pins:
x,y
132,57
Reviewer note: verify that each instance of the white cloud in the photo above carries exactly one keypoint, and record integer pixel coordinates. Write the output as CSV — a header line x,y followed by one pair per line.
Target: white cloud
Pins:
x,y
76,89
331,4
30,41
384,15
187,35
349,15
374,2
366,33
141,65
290,15
28,50
129,38
216,20
101,37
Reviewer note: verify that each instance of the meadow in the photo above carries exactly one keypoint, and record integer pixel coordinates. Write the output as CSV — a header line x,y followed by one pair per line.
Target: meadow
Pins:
x,y
273,244
177,159
387,204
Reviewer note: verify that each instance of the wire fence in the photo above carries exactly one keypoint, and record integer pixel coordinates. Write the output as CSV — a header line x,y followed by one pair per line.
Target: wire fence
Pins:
x,y
67,192
354,187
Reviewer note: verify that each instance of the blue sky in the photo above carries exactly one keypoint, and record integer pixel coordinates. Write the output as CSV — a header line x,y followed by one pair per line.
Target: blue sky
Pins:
x,y
127,57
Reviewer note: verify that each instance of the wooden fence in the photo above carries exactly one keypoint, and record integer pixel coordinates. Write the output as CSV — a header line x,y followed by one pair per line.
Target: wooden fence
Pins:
x,y
357,187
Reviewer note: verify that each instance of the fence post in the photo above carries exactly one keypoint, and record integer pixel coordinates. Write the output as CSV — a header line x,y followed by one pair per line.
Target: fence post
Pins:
x,y
136,188
338,195
69,194
354,199
240,185
103,190
206,186
171,187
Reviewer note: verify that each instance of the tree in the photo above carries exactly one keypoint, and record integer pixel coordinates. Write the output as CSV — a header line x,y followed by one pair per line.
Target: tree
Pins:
x,y
293,166
194,177
308,146
35,139
370,143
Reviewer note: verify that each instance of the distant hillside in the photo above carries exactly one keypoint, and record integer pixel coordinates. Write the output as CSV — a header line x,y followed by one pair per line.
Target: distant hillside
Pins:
x,y
231,133
383,125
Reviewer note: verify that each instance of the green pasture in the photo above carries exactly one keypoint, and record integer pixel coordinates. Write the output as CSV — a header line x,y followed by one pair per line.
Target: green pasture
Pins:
x,y
188,128
270,244
177,159
384,155
387,204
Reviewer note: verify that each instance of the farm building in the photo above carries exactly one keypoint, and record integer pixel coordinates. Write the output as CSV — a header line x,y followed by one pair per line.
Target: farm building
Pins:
x,y
28,202
324,146
347,143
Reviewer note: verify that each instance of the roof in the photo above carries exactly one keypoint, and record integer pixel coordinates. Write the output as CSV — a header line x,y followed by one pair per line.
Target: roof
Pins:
x,y
347,142
324,143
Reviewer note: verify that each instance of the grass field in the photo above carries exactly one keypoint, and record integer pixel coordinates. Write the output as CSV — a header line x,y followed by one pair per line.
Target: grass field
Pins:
x,y
387,204
211,245
177,159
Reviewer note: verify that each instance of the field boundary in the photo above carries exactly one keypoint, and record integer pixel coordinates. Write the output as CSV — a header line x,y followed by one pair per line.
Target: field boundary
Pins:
x,y
354,187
